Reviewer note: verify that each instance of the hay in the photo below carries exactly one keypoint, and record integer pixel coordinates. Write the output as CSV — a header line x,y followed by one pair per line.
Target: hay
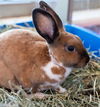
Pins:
x,y
83,90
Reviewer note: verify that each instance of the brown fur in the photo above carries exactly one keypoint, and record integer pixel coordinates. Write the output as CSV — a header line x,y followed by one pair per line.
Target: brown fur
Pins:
x,y
28,54
24,53
21,57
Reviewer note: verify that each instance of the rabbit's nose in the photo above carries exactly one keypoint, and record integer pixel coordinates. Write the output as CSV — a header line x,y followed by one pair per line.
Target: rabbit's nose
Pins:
x,y
87,59
86,56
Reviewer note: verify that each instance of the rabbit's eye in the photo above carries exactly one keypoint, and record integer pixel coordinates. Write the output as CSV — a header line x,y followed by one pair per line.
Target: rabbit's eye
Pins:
x,y
71,48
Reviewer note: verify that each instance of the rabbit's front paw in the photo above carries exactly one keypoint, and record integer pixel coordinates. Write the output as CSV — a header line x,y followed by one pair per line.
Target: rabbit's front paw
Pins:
x,y
60,89
37,95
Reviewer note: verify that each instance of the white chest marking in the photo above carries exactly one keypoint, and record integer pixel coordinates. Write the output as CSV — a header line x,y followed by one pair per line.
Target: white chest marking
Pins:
x,y
68,71
48,71
53,63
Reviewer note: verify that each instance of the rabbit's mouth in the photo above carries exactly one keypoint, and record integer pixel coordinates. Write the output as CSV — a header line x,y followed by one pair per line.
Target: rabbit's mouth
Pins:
x,y
82,63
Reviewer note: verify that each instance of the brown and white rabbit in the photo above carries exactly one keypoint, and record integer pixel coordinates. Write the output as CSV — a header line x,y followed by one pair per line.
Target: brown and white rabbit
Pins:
x,y
40,60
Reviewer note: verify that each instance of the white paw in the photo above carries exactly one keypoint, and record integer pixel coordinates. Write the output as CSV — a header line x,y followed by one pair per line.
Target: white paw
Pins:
x,y
37,95
60,89
40,95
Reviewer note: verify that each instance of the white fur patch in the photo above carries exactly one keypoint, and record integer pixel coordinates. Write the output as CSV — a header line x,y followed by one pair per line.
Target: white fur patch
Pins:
x,y
45,85
68,71
60,89
54,63
50,84
54,86
48,71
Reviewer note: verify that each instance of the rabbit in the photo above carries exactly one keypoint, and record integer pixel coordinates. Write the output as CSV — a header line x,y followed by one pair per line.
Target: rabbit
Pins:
x,y
40,60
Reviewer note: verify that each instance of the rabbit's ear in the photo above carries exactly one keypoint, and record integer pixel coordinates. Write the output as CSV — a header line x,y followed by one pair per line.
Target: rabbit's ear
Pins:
x,y
45,25
47,8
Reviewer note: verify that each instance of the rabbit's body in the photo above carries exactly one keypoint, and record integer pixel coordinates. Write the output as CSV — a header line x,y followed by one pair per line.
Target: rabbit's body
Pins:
x,y
28,60
25,60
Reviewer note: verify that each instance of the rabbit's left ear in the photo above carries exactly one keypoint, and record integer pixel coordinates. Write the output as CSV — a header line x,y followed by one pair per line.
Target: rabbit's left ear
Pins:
x,y
47,8
45,25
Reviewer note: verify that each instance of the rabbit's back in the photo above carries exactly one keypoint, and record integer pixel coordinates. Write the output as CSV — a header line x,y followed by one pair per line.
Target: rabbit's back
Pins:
x,y
21,51
19,41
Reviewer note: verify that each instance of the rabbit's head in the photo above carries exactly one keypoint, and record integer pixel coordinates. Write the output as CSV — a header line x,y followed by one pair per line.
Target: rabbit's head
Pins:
x,y
65,47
